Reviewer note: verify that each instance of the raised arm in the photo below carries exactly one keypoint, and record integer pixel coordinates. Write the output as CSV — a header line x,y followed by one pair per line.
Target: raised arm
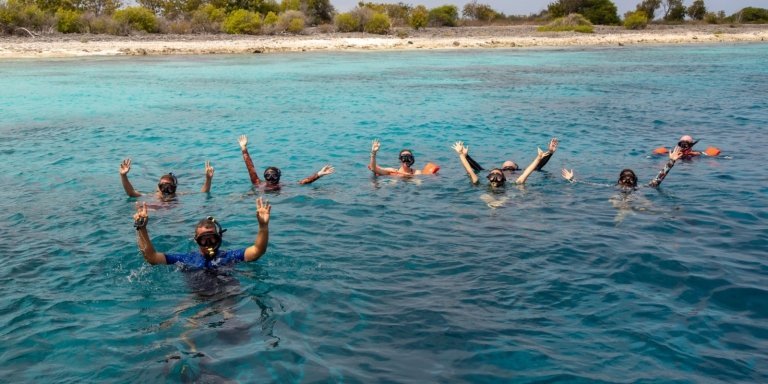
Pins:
x,y
326,170
532,167
548,155
243,141
463,151
673,157
372,165
125,167
208,177
259,246
568,175
140,220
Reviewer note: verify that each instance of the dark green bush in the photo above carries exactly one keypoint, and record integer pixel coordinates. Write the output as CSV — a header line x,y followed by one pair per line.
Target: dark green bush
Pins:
x,y
378,24
208,19
444,16
752,15
137,18
242,22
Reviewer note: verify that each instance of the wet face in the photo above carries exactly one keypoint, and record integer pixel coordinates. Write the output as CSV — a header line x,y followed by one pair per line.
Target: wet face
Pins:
x,y
272,175
167,186
406,157
496,178
208,240
627,179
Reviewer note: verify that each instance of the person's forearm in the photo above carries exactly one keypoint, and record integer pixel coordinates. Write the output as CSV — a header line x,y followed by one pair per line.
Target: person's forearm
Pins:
x,y
662,174
251,170
128,187
372,165
530,169
146,247
310,179
206,185
468,168
544,160
261,242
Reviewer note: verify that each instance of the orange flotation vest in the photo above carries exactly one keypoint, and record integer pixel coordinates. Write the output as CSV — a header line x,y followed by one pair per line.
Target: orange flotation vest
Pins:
x,y
430,168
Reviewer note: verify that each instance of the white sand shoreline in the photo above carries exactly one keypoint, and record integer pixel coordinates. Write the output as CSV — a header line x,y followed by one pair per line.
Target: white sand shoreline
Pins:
x,y
61,46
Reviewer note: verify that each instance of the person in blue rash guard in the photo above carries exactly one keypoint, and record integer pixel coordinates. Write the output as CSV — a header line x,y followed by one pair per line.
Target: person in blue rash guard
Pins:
x,y
208,236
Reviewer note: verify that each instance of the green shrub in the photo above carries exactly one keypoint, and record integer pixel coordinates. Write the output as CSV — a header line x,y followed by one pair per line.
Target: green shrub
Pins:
x,y
207,18
752,15
103,25
378,24
602,12
419,17
573,22
69,21
636,20
137,18
270,19
711,18
286,22
444,16
242,22
347,22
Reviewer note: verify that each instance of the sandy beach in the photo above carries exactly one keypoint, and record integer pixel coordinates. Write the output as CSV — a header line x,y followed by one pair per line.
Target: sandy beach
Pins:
x,y
518,36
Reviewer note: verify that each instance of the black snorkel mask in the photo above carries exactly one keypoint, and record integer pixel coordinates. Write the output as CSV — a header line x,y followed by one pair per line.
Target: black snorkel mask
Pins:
x,y
497,178
407,158
272,175
167,184
210,241
686,145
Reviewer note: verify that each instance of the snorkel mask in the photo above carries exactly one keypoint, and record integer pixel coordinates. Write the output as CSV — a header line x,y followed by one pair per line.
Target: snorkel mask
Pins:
x,y
686,145
272,175
208,241
167,184
496,177
406,157
627,178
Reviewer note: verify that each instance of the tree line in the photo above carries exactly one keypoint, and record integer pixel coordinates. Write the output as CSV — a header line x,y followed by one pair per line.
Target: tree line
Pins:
x,y
294,16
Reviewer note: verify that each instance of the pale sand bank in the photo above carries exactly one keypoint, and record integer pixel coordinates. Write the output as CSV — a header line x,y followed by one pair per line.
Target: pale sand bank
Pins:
x,y
431,38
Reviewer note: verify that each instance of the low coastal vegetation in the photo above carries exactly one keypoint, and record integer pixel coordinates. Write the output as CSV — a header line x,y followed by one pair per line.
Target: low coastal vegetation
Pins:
x,y
125,17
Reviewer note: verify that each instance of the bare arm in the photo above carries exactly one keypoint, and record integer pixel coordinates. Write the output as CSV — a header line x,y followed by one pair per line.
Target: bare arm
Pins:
x,y
673,156
208,177
146,247
378,171
548,155
463,152
259,246
125,167
243,140
326,170
532,167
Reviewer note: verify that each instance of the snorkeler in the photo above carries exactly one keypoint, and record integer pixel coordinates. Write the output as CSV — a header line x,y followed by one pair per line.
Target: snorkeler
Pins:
x,y
208,236
166,187
406,164
509,166
272,174
628,179
496,177
686,143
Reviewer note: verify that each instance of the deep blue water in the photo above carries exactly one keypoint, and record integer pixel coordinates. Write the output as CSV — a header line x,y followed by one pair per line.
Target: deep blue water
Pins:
x,y
381,280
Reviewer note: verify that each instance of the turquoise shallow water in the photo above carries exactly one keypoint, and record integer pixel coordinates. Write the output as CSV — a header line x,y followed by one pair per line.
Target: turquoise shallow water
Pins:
x,y
380,280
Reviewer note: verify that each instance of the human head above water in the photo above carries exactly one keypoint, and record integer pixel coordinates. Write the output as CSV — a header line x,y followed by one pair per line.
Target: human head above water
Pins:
x,y
406,157
272,175
496,177
686,142
509,166
167,184
208,236
627,178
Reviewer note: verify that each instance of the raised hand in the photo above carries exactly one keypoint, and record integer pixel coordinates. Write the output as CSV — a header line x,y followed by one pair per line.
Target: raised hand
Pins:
x,y
326,170
553,145
676,154
141,217
460,148
125,167
262,211
568,175
243,141
208,169
375,146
